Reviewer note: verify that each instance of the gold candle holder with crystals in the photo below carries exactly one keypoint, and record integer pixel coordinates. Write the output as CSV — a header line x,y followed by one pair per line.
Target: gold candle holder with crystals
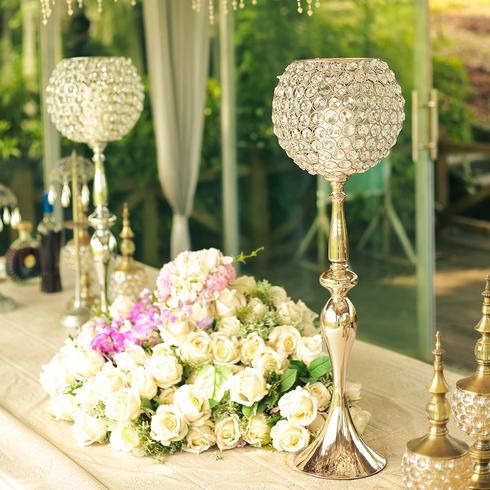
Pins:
x,y
471,401
128,277
336,118
437,460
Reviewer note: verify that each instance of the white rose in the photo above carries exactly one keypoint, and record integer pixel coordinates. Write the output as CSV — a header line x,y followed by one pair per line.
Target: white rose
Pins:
x,y
244,284
258,308
278,295
165,368
307,319
247,387
270,361
168,425
131,358
200,314
86,335
353,391
166,396
252,346
226,351
320,393
196,350
308,349
228,301
192,404
360,418
143,382
85,362
298,406
63,407
284,339
121,307
257,431
289,313
88,429
229,326
176,332
123,405
124,437
200,438
289,437
87,396
109,380
227,432
162,348
56,376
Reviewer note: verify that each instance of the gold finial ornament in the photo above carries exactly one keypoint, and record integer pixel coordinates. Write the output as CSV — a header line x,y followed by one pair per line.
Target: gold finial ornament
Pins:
x,y
128,277
437,460
471,401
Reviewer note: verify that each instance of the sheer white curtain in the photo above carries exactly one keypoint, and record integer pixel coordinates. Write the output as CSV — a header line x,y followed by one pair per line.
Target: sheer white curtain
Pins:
x,y
177,47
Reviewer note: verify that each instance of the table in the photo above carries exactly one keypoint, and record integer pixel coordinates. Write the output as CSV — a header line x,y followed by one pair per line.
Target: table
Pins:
x,y
37,452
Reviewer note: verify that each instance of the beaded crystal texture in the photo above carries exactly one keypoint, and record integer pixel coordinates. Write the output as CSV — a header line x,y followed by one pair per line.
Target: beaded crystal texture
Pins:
x,y
424,473
95,100
472,413
337,117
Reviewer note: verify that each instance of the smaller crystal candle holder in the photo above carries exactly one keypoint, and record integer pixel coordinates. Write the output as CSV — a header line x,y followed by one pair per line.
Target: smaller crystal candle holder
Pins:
x,y
471,401
437,461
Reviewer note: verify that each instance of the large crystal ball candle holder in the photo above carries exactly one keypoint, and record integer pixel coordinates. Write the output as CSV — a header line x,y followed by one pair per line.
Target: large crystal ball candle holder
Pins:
x,y
336,118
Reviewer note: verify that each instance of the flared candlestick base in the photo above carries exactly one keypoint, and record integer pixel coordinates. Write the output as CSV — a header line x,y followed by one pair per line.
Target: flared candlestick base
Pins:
x,y
75,315
338,452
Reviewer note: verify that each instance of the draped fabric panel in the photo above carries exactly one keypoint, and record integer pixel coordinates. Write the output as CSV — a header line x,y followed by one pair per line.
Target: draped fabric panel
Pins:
x,y
177,48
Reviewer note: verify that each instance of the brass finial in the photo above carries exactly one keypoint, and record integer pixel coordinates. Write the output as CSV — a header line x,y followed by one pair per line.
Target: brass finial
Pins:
x,y
437,443
483,326
127,235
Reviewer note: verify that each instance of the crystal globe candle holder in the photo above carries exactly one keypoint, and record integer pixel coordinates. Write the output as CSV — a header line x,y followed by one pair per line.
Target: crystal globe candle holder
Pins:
x,y
471,401
336,118
95,101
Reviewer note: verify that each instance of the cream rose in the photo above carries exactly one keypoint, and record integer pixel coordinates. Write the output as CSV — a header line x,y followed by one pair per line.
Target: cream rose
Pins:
x,y
143,382
196,350
227,433
244,284
229,326
320,393
131,358
124,405
63,407
165,368
247,387
258,431
200,438
286,436
308,349
192,404
270,361
85,362
258,308
124,437
88,429
88,396
298,406
228,301
284,339
279,295
252,346
176,332
86,335
226,351
56,376
168,425
166,396
121,307
109,380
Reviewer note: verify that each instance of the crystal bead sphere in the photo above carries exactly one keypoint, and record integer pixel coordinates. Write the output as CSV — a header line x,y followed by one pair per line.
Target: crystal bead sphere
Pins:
x,y
94,100
472,413
337,117
424,473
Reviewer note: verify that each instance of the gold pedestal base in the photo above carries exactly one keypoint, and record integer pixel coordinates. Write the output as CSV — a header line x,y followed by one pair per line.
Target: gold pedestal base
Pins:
x,y
338,452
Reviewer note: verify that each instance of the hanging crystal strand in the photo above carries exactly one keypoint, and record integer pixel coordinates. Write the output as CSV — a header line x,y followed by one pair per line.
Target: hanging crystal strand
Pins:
x,y
85,195
80,4
300,8
224,6
65,195
16,217
317,4
310,10
6,216
194,6
254,2
52,194
211,11
242,4
234,4
69,6
99,6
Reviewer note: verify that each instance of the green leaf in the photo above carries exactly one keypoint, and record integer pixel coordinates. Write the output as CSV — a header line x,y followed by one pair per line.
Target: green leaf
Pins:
x,y
249,411
288,379
319,367
211,380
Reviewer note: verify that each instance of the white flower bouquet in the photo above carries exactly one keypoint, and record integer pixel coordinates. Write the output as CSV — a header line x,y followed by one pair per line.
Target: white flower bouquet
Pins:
x,y
207,359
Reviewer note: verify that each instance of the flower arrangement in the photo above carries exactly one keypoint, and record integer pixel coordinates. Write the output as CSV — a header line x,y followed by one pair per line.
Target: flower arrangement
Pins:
x,y
207,359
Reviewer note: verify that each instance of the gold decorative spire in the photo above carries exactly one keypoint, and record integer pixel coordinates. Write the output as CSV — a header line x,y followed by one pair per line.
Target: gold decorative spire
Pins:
x,y
127,245
437,443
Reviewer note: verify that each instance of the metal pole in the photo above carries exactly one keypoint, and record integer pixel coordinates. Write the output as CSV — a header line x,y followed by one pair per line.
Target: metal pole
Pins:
x,y
50,55
228,134
424,181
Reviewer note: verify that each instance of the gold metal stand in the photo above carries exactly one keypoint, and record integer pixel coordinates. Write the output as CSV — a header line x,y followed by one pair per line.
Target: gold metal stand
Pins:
x,y
339,452
472,399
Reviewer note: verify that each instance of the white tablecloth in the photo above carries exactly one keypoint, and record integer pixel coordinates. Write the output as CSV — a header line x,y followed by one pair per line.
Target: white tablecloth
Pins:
x,y
37,452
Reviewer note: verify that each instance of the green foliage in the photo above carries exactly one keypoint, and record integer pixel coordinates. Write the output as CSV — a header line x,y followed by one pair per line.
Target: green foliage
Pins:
x,y
319,367
151,447
212,381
